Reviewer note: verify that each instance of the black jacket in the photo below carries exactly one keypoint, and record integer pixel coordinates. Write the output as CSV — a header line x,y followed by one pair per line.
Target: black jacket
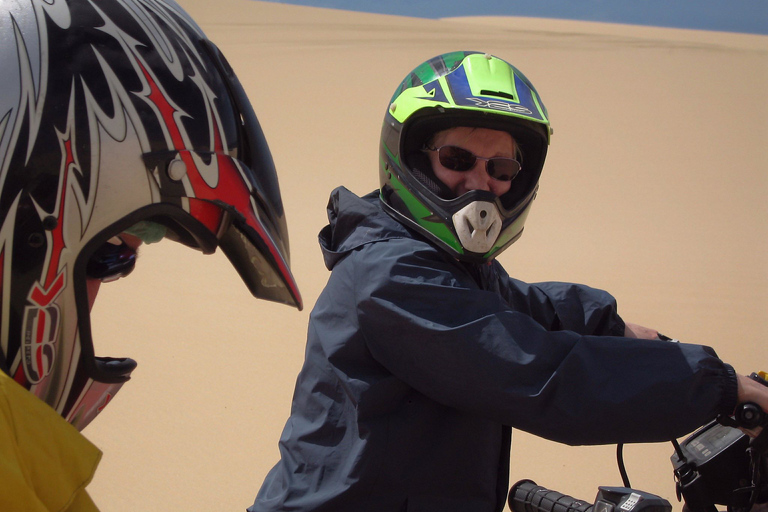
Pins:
x,y
418,366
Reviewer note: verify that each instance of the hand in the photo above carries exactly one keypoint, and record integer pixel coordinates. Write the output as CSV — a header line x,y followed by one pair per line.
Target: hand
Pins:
x,y
638,331
751,391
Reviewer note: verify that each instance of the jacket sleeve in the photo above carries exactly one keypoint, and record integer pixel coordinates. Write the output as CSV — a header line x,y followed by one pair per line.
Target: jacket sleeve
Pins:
x,y
429,324
563,306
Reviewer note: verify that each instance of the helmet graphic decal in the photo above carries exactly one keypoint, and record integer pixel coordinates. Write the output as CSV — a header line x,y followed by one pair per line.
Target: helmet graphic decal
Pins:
x,y
519,100
222,177
42,315
434,93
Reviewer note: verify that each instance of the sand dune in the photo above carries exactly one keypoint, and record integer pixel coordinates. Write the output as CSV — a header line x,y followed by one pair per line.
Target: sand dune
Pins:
x,y
654,189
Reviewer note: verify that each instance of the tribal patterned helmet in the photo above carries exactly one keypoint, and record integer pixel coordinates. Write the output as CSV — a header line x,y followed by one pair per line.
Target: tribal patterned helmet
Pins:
x,y
116,114
461,89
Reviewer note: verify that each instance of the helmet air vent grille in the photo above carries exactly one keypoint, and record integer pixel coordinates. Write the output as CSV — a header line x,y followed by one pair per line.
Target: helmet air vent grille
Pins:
x,y
498,94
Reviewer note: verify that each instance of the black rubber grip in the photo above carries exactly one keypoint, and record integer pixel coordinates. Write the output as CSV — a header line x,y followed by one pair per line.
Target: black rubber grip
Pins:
x,y
526,496
749,415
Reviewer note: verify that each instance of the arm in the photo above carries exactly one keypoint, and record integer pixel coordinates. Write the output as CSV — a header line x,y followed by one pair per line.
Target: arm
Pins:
x,y
432,327
560,306
747,389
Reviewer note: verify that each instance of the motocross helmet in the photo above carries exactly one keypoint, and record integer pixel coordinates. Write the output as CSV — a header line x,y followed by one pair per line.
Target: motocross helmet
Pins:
x,y
114,114
468,89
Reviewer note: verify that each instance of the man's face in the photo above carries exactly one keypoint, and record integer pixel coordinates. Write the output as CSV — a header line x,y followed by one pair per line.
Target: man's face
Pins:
x,y
482,142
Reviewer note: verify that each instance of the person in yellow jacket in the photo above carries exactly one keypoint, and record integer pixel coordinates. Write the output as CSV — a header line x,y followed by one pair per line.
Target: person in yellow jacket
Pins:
x,y
120,123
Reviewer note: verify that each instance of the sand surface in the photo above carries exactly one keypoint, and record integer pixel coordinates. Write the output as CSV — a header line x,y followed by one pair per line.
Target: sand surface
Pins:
x,y
654,189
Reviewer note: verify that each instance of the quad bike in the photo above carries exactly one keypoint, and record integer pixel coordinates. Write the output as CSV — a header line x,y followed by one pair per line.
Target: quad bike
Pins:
x,y
718,464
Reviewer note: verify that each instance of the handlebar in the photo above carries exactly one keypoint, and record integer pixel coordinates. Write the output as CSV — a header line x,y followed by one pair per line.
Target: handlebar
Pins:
x,y
526,496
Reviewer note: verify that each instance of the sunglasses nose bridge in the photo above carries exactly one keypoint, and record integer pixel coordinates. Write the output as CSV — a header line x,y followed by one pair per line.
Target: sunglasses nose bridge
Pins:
x,y
485,166
478,177
484,163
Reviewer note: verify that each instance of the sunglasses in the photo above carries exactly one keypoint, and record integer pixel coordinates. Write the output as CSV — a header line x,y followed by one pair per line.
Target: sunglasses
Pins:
x,y
113,260
459,159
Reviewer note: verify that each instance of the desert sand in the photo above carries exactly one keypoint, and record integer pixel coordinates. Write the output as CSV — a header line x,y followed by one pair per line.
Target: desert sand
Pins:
x,y
654,189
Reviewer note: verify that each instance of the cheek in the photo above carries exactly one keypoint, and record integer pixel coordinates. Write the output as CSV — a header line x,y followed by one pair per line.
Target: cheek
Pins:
x,y
500,187
449,178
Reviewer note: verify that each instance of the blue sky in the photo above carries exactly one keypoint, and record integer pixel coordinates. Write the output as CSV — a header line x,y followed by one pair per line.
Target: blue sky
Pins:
x,y
747,16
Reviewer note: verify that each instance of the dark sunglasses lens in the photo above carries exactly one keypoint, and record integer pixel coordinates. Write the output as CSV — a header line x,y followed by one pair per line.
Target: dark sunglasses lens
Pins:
x,y
503,169
456,159
111,262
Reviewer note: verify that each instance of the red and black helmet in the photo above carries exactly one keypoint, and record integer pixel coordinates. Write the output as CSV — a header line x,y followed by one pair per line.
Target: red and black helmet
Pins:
x,y
114,114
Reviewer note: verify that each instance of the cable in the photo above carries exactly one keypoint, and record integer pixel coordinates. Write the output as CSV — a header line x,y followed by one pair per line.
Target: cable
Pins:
x,y
620,461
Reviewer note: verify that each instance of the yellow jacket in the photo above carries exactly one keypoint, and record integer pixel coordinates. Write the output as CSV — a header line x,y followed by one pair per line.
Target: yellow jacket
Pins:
x,y
45,463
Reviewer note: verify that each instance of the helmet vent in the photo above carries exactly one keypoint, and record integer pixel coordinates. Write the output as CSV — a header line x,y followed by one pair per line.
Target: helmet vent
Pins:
x,y
498,94
429,183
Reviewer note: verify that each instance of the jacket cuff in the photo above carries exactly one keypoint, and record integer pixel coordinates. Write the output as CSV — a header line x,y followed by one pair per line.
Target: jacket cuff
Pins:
x,y
730,391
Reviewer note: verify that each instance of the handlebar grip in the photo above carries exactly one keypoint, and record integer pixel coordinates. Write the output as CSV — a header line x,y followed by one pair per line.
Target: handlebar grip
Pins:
x,y
526,496
749,415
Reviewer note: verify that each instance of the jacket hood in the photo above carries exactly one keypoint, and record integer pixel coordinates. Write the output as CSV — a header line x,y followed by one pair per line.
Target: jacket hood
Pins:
x,y
353,222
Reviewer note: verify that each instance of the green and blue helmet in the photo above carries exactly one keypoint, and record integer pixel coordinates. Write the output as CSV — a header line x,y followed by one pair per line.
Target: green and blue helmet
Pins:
x,y
469,89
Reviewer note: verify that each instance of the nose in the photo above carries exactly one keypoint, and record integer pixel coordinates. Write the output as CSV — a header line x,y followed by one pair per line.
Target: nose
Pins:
x,y
478,178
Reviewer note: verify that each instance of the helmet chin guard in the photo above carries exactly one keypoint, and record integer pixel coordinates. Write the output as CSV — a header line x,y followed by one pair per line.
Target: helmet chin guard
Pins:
x,y
478,226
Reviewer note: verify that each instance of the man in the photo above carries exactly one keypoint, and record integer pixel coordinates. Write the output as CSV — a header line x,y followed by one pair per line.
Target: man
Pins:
x,y
423,353
120,122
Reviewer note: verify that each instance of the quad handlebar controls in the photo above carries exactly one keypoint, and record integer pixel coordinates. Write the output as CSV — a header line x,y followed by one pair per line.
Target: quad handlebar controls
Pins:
x,y
716,465
749,415
526,496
